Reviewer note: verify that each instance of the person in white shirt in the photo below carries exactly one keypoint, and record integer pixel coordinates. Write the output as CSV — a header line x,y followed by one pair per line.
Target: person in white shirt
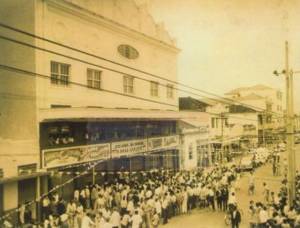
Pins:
x,y
136,220
100,202
71,211
115,219
86,221
107,224
130,207
125,220
100,220
231,200
263,217
266,192
45,207
76,195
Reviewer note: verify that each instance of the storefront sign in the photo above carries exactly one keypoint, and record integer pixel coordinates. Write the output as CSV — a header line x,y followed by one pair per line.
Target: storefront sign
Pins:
x,y
72,155
155,143
66,156
128,147
163,142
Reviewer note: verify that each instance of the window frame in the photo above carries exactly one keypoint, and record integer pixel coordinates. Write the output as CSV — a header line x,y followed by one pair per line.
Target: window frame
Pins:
x,y
154,89
170,91
93,79
61,78
128,88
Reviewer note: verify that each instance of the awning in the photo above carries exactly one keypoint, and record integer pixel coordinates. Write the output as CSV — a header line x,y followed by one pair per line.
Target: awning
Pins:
x,y
22,177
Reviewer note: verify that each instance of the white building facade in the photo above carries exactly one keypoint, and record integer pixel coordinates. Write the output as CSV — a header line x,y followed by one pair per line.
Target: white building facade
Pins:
x,y
195,141
88,90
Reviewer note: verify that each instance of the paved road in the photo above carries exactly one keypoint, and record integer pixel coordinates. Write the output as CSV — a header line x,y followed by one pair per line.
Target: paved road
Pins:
x,y
209,219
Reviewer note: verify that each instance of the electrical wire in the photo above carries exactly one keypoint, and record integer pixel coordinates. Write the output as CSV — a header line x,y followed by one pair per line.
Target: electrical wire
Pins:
x,y
132,68
47,77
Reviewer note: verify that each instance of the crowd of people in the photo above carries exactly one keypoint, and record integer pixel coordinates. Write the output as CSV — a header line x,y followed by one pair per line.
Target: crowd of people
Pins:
x,y
147,199
152,198
274,210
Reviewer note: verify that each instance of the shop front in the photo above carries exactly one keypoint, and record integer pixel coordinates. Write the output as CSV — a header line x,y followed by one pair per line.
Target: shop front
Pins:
x,y
112,158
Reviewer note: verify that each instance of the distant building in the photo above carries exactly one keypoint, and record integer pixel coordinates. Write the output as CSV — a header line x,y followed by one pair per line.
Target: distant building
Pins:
x,y
87,108
267,102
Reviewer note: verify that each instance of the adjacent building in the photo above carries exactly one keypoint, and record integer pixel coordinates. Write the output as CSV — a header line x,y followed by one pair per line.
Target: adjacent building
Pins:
x,y
194,129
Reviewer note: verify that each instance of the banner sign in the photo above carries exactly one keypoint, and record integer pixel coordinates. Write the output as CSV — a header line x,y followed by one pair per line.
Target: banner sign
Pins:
x,y
72,155
128,147
163,142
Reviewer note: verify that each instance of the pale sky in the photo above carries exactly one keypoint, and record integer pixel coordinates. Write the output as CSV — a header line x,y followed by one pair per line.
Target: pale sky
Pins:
x,y
231,43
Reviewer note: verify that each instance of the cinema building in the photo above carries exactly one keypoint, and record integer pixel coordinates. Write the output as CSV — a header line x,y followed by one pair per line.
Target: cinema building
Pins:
x,y
87,93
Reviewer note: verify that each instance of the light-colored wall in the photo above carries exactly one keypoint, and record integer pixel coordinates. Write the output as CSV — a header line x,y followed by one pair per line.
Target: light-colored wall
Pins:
x,y
215,112
92,34
18,128
129,14
241,119
191,139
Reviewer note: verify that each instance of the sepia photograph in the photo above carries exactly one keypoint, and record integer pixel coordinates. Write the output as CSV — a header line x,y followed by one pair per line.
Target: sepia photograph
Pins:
x,y
149,113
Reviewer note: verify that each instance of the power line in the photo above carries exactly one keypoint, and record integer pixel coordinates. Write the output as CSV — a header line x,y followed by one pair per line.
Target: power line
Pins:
x,y
34,74
93,64
232,101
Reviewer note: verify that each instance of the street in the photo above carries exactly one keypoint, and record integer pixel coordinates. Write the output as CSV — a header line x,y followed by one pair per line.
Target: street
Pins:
x,y
208,219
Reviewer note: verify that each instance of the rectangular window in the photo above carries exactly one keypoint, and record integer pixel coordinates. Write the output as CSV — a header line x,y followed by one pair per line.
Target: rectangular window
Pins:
x,y
154,89
94,78
170,89
128,84
60,73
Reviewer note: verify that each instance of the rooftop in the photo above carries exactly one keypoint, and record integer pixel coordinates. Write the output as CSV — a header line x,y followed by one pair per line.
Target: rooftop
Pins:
x,y
255,87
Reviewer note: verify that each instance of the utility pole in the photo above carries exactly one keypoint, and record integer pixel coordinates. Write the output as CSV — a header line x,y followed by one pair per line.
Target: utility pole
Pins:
x,y
290,126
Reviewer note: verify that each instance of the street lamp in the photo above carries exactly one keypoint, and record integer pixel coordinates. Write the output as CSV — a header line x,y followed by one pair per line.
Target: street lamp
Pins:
x,y
289,124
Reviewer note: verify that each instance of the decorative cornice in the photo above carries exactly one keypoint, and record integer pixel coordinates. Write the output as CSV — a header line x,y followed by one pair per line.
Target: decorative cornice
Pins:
x,y
107,23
